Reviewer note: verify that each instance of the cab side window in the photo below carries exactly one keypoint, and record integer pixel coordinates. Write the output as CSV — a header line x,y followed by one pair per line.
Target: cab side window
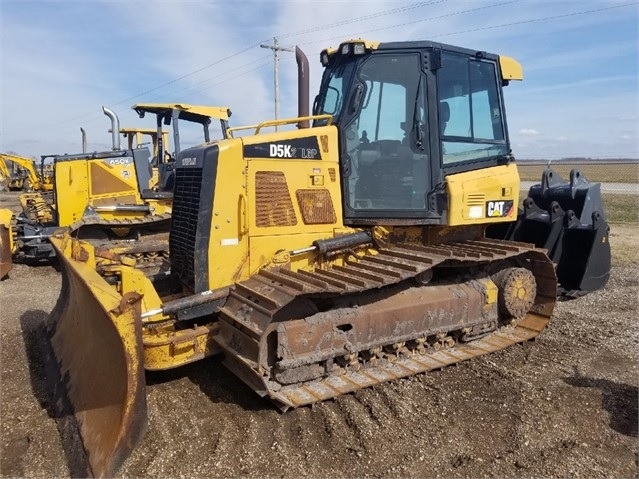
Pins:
x,y
470,111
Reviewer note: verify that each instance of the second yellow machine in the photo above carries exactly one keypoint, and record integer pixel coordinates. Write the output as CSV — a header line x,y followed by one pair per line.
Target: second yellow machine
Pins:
x,y
320,260
22,174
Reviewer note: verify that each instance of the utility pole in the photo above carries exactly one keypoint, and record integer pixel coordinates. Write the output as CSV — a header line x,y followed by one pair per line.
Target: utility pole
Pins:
x,y
276,49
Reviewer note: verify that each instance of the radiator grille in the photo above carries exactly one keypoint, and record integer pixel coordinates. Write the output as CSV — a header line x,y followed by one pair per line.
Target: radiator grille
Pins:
x,y
316,206
186,207
273,204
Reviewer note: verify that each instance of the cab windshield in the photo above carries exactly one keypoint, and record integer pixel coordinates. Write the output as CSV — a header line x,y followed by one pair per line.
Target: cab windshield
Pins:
x,y
334,89
378,102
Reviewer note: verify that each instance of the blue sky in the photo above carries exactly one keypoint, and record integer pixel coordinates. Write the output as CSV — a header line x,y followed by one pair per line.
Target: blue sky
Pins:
x,y
62,59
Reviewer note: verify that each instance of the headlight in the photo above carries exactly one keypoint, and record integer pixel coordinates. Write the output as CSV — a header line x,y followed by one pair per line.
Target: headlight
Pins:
x,y
359,48
346,49
324,58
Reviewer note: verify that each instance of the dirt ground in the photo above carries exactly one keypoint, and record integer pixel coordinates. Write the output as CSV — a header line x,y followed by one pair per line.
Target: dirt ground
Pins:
x,y
564,405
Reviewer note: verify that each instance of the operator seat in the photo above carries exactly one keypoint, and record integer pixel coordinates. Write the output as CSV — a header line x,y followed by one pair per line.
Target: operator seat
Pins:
x,y
444,115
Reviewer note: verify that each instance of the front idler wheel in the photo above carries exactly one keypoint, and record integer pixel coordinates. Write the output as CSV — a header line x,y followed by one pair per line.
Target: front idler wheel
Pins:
x,y
517,292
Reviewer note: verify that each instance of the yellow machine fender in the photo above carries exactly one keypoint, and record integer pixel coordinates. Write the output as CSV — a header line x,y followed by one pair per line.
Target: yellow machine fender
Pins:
x,y
96,338
6,243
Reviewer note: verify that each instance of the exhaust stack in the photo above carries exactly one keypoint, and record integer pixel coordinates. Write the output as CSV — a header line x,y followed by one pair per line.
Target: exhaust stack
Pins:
x,y
303,88
84,140
115,127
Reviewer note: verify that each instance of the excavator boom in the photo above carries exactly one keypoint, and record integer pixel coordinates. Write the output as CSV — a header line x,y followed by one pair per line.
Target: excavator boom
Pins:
x,y
30,179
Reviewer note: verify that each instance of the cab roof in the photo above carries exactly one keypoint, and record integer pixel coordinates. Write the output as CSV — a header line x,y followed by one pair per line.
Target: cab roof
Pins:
x,y
194,113
145,131
510,68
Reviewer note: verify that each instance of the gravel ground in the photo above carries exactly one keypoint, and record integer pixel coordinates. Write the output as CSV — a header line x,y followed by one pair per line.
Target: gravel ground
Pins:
x,y
563,405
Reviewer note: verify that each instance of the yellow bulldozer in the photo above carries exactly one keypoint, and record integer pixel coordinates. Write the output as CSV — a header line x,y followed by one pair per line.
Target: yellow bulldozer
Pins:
x,y
103,196
171,114
135,139
319,260
115,196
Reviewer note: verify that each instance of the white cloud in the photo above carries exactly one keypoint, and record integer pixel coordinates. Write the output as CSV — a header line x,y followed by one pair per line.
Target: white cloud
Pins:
x,y
528,132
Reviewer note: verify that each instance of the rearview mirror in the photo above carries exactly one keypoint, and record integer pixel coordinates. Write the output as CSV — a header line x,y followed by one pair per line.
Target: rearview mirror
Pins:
x,y
331,101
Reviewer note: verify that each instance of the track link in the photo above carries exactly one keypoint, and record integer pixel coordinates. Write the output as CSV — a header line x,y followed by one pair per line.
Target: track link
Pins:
x,y
277,306
351,380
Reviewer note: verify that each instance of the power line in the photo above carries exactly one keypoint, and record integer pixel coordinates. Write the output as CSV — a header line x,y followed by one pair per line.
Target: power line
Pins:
x,y
257,67
390,27
534,20
366,17
412,22
186,75
403,9
217,62
165,84
319,28
207,80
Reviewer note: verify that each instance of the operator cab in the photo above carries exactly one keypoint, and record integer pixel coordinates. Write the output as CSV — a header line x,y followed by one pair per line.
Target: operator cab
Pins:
x,y
409,114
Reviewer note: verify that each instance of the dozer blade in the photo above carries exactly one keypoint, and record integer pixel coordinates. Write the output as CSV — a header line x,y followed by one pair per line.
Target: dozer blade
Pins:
x,y
96,339
6,243
6,263
567,219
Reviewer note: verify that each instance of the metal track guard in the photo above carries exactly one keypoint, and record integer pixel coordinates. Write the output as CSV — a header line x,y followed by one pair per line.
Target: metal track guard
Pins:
x,y
567,219
96,339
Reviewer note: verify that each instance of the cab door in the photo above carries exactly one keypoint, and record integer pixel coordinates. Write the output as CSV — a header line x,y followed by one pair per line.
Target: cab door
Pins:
x,y
385,140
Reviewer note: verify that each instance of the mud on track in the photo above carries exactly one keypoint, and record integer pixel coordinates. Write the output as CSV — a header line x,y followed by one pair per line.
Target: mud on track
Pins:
x,y
563,405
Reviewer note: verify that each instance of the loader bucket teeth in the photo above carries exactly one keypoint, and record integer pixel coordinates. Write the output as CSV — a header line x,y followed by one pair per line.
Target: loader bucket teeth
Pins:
x,y
96,339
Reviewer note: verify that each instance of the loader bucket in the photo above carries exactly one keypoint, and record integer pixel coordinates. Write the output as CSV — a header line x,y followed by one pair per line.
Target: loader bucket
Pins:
x,y
96,339
567,219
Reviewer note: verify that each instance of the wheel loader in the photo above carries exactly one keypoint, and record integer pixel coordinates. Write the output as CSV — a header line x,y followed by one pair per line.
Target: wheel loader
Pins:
x,y
319,260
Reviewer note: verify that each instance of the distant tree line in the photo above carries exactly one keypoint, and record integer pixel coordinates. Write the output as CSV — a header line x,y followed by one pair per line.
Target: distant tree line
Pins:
x,y
579,159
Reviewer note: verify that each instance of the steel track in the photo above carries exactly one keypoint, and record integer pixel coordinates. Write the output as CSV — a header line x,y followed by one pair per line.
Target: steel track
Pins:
x,y
257,307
